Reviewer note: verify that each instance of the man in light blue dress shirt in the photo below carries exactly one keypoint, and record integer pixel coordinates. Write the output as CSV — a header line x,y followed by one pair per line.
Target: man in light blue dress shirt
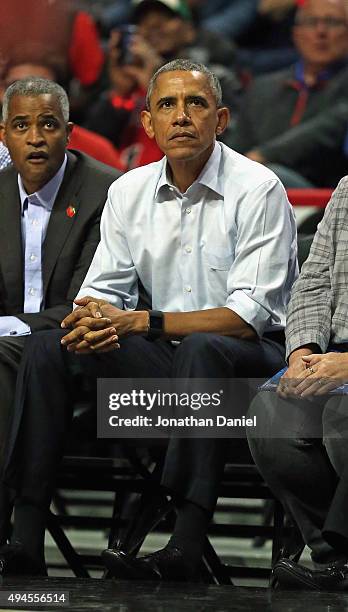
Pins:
x,y
209,238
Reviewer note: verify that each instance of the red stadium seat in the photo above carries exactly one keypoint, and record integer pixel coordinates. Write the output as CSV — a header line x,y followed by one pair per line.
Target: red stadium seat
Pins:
x,y
309,197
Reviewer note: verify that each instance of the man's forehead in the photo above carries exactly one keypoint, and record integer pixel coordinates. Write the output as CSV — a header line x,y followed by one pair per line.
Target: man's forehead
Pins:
x,y
181,77
311,5
28,104
174,82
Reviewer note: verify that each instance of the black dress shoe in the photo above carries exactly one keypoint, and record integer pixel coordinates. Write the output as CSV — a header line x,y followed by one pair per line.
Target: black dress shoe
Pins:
x,y
165,564
289,575
14,561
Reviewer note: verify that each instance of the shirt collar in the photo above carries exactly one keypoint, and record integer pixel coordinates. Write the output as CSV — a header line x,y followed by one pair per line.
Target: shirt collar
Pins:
x,y
46,196
209,177
323,77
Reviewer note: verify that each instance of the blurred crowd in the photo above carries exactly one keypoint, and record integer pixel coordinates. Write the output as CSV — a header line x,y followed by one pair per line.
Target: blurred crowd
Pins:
x,y
282,66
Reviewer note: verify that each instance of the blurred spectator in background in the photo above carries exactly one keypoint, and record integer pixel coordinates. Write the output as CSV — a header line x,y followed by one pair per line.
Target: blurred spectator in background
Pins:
x,y
295,120
262,28
115,14
229,18
164,31
57,31
81,139
225,17
267,45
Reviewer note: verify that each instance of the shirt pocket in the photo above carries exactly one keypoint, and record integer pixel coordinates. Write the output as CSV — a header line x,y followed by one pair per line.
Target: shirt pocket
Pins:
x,y
222,261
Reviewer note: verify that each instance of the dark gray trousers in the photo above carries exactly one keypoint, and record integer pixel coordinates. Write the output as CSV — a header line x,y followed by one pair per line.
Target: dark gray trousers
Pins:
x,y
43,405
43,402
301,449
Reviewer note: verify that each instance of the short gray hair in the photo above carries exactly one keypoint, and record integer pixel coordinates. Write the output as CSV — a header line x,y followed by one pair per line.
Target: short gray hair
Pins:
x,y
35,86
186,66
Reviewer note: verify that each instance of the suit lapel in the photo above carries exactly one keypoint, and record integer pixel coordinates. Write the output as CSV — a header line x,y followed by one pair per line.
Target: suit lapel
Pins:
x,y
62,219
11,249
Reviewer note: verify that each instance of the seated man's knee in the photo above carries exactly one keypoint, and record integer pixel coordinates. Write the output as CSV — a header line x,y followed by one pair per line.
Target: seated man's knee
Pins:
x,y
41,344
207,343
199,340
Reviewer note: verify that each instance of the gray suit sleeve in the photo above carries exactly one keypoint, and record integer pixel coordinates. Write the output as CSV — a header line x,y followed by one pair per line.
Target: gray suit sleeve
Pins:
x,y
309,312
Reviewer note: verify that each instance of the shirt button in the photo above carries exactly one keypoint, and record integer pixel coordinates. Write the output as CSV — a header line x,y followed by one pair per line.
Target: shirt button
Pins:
x,y
31,291
34,222
33,257
188,249
188,289
187,211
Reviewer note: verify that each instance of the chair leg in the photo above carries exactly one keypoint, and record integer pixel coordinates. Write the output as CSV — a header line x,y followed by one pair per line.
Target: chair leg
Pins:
x,y
267,517
70,555
118,511
288,546
213,569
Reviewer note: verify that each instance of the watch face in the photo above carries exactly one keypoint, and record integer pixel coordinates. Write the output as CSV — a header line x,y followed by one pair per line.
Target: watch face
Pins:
x,y
156,321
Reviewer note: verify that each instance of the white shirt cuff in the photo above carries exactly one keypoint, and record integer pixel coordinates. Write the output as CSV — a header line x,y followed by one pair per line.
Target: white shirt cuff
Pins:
x,y
11,326
250,311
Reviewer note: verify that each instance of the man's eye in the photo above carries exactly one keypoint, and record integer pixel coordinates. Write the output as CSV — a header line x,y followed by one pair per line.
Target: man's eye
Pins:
x,y
50,124
196,102
166,104
20,126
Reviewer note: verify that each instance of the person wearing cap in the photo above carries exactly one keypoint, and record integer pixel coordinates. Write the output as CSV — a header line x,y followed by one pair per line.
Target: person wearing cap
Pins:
x,y
163,30
208,238
295,120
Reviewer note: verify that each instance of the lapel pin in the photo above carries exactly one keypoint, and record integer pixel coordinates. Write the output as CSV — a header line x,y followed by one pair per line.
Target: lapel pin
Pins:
x,y
71,211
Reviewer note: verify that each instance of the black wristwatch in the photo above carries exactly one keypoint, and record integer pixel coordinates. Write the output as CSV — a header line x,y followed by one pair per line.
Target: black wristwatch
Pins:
x,y
156,325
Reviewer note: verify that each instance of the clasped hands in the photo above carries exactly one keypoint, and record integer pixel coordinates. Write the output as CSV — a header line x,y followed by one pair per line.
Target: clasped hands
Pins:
x,y
314,375
96,326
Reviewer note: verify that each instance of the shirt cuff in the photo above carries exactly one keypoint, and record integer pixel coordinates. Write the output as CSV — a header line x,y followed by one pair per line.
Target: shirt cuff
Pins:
x,y
11,326
250,311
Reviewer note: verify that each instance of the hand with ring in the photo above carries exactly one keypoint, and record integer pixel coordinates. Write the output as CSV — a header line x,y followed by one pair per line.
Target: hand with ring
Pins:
x,y
323,373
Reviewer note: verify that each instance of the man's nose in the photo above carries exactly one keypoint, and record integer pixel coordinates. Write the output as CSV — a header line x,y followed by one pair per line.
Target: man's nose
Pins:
x,y
321,27
35,135
182,116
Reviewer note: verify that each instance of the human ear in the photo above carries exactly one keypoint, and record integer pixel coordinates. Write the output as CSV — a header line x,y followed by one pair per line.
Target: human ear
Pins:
x,y
146,120
223,115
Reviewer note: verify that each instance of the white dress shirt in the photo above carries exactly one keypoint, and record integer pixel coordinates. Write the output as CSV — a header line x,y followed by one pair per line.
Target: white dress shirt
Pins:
x,y
229,240
36,211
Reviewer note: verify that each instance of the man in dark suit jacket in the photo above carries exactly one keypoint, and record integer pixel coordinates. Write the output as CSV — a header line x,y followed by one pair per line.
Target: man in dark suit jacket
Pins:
x,y
50,206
